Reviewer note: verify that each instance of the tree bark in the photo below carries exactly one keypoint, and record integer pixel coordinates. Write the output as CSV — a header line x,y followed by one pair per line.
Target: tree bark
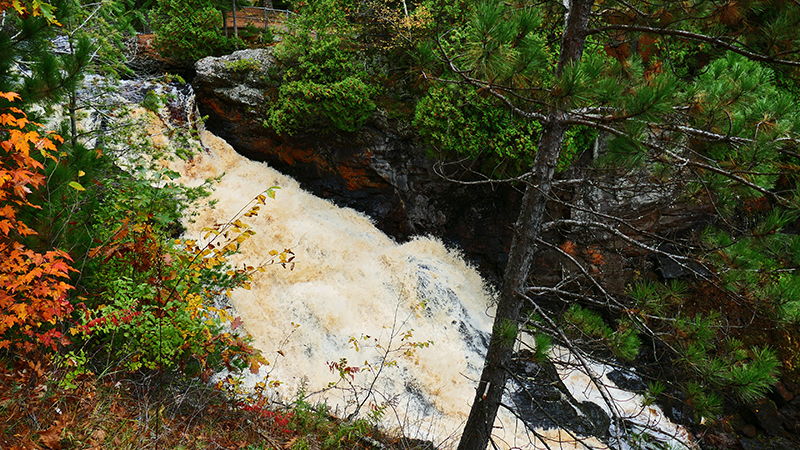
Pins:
x,y
528,229
235,27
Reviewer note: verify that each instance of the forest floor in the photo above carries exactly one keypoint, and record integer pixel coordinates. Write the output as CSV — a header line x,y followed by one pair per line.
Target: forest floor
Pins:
x,y
46,408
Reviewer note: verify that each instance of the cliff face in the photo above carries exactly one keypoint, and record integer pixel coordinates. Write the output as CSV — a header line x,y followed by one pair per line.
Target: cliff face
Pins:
x,y
383,171
380,170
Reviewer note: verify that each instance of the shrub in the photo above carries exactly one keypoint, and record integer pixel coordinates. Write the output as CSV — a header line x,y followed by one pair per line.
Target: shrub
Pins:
x,y
154,307
343,105
33,285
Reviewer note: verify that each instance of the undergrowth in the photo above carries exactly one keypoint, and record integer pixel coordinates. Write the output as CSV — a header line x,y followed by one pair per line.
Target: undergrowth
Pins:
x,y
154,409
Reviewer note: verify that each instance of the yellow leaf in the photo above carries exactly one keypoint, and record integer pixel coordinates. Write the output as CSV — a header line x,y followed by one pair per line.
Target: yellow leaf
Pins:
x,y
77,186
81,173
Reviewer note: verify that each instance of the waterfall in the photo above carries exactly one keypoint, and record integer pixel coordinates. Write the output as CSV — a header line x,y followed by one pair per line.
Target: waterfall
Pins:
x,y
351,289
355,294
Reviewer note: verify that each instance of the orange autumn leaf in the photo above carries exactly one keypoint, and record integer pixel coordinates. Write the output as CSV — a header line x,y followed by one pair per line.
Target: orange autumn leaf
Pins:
x,y
33,286
594,256
569,248
10,96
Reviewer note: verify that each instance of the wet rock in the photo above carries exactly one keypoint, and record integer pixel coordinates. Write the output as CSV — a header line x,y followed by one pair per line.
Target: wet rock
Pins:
x,y
791,415
543,401
676,268
720,440
767,416
627,380
749,431
781,395
768,444
241,77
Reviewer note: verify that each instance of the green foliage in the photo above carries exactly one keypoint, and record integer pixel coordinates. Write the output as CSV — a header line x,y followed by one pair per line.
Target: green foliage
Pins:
x,y
705,402
316,420
154,308
503,45
714,364
654,390
188,31
318,46
343,105
624,342
90,36
755,263
152,101
507,333
543,344
459,122
324,82
27,38
243,65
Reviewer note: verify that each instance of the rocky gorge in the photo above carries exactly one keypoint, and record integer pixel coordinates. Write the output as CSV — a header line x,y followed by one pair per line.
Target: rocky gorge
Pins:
x,y
381,170
384,172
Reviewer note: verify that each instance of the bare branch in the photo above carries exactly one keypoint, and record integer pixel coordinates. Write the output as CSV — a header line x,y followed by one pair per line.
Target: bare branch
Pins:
x,y
695,37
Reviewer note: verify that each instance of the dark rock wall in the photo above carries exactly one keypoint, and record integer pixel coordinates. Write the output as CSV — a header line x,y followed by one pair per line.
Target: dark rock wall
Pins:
x,y
379,170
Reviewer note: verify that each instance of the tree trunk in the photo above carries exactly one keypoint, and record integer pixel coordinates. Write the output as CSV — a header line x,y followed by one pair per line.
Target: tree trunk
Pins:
x,y
235,28
267,5
528,229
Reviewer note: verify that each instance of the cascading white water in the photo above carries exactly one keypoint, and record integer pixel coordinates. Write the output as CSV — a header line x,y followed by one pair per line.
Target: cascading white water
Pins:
x,y
351,284
350,281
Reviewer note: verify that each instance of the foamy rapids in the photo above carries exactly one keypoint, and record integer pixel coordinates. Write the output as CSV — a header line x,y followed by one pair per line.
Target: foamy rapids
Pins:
x,y
350,282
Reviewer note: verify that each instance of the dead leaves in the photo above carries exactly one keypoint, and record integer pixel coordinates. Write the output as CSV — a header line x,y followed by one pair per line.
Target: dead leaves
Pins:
x,y
51,438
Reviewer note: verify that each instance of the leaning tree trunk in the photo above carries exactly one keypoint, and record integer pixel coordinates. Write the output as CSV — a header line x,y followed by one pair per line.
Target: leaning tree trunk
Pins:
x,y
528,230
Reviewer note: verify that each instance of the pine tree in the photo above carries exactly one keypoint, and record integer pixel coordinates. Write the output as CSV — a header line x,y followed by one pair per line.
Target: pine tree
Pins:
x,y
695,98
